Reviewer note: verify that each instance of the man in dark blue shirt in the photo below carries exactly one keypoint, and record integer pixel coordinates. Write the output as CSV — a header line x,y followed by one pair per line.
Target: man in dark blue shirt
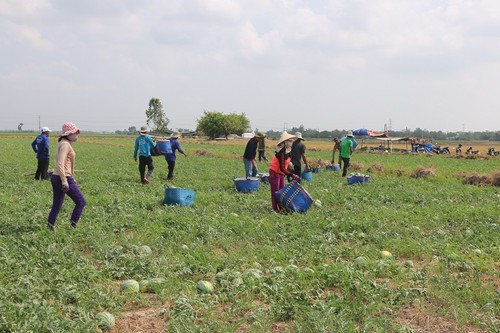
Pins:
x,y
249,156
41,147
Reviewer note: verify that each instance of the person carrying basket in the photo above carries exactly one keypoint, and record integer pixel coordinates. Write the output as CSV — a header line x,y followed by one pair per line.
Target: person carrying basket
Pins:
x,y
279,167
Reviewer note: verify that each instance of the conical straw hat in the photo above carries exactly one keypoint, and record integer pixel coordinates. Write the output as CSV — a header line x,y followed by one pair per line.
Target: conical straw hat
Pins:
x,y
286,136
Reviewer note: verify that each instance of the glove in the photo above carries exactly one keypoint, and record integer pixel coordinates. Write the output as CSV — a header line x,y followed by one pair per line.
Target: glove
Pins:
x,y
65,188
135,159
296,178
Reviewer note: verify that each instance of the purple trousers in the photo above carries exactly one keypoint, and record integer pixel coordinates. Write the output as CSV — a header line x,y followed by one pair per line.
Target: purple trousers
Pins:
x,y
276,182
58,199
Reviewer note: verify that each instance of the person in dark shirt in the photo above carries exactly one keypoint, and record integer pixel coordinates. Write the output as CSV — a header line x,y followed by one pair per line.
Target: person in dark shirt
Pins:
x,y
41,147
250,154
298,154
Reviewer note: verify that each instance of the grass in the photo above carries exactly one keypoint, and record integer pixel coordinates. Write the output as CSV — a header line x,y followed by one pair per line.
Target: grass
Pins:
x,y
272,272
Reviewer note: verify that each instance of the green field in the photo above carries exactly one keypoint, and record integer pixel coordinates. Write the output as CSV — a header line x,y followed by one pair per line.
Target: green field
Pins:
x,y
271,272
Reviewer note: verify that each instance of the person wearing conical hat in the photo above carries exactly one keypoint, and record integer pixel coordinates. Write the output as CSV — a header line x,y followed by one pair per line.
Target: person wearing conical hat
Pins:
x,y
170,155
346,149
279,167
41,146
62,179
143,145
249,155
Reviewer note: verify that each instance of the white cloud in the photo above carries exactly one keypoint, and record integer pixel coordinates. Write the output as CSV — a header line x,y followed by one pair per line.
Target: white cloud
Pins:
x,y
373,58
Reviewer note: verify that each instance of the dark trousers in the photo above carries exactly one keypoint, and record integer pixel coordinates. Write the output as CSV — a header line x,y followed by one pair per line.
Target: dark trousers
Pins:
x,y
42,169
346,162
143,161
262,155
171,167
58,199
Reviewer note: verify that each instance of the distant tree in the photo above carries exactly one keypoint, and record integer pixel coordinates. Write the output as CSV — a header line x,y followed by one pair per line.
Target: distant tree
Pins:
x,y
132,130
156,117
235,124
20,127
215,124
211,123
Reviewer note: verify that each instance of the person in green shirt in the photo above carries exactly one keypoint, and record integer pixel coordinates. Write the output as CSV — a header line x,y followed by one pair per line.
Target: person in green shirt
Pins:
x,y
346,149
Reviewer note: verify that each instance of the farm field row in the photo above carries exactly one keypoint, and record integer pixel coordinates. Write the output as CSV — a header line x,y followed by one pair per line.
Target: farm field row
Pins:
x,y
321,271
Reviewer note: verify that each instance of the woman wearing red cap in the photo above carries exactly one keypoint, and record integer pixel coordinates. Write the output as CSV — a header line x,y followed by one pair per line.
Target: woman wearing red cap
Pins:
x,y
62,178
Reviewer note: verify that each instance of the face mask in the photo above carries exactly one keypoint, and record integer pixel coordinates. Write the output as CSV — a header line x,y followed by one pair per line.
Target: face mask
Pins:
x,y
73,137
288,144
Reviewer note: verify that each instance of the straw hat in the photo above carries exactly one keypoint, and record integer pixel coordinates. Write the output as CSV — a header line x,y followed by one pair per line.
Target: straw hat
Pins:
x,y
299,135
260,135
45,129
144,130
69,128
286,136
175,135
349,134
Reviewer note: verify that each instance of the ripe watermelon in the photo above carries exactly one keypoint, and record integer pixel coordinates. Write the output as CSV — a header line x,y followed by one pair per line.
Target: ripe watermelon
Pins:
x,y
105,320
361,261
144,250
129,286
385,254
205,287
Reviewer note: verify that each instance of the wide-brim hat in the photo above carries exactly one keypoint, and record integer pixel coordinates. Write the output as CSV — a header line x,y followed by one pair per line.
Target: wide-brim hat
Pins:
x,y
144,130
69,128
299,135
175,135
260,135
349,134
45,129
286,136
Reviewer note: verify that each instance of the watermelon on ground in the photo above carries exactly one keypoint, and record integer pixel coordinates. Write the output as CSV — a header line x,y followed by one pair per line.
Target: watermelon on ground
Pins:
x,y
105,320
129,286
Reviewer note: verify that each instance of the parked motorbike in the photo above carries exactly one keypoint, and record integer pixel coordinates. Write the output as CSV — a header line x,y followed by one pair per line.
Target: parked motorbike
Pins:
x,y
439,150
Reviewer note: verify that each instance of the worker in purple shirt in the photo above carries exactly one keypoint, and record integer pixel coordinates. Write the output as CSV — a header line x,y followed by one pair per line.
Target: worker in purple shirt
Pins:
x,y
170,155
41,146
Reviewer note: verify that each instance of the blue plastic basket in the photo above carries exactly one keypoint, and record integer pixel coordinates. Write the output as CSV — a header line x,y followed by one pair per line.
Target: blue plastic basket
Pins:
x,y
316,169
294,197
246,185
355,179
179,196
336,167
164,146
307,176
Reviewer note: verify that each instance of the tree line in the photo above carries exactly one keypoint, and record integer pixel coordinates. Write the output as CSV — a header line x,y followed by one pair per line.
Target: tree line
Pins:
x,y
217,124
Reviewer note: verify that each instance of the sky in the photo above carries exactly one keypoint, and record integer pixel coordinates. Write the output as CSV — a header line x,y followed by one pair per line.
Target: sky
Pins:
x,y
338,64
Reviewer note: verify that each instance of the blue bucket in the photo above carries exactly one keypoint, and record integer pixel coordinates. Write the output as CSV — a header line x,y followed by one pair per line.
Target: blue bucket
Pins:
x,y
179,196
336,167
316,169
307,176
246,185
